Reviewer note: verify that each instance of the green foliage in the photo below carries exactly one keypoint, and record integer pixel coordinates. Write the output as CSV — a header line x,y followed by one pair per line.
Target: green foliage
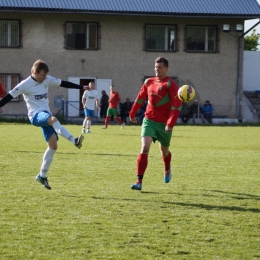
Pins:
x,y
251,41
210,209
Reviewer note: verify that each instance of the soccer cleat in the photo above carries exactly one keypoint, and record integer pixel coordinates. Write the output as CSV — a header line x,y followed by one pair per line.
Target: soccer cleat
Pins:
x,y
78,141
104,127
167,176
88,131
43,181
83,130
122,126
136,186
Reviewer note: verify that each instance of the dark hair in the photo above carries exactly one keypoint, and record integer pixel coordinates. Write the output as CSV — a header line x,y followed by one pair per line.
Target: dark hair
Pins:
x,y
38,66
162,60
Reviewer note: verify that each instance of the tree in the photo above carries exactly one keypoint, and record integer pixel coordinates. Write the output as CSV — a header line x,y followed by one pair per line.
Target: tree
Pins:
x,y
251,41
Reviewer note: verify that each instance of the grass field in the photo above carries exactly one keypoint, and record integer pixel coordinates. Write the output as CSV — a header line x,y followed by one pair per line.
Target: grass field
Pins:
x,y
209,210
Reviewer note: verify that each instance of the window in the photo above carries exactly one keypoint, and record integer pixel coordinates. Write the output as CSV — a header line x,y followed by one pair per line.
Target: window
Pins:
x,y
160,38
10,33
201,38
9,81
81,35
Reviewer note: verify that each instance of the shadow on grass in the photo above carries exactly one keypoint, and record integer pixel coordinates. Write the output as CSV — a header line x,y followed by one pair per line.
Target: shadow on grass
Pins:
x,y
239,195
195,205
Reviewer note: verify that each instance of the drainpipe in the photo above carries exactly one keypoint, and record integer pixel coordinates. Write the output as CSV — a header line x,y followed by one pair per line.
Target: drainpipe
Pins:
x,y
240,52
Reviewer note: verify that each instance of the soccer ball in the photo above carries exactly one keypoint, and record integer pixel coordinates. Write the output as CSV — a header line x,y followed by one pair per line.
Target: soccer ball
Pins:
x,y
186,93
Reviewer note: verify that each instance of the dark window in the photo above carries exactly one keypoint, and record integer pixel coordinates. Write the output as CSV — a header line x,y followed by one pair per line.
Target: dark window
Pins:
x,y
81,35
160,37
201,38
10,33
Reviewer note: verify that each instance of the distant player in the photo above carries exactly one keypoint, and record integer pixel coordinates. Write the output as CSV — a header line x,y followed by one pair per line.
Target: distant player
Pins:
x,y
114,99
89,100
161,114
35,92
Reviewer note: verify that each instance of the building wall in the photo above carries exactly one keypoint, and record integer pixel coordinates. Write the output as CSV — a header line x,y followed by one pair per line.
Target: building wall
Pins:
x,y
251,78
122,58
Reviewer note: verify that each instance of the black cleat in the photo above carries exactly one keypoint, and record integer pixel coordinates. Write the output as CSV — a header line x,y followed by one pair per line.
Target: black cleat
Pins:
x,y
43,181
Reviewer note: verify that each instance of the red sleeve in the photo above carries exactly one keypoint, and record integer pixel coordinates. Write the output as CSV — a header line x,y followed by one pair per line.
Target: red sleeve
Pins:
x,y
140,99
175,104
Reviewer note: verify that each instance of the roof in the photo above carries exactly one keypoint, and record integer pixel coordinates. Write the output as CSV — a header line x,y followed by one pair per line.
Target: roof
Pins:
x,y
231,8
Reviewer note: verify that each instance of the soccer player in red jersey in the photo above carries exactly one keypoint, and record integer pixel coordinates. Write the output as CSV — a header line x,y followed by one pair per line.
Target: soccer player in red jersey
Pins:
x,y
114,99
161,114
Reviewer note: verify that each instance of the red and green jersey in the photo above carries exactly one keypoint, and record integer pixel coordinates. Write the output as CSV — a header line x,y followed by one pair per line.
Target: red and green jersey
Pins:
x,y
114,99
163,103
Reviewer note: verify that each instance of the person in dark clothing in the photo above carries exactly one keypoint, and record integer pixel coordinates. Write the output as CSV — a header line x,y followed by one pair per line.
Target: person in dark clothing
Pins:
x,y
185,113
197,111
207,111
126,107
103,104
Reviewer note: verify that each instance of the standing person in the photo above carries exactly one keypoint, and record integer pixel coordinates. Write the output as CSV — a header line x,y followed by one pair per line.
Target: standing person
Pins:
x,y
207,111
103,104
161,114
89,99
126,107
197,111
114,99
185,113
2,91
35,92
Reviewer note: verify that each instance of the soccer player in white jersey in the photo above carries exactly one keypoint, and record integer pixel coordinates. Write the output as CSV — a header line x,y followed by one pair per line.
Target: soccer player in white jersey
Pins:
x,y
89,100
35,92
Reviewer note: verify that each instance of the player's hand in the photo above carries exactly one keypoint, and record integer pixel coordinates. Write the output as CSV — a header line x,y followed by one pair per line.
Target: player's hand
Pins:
x,y
133,120
1,111
168,129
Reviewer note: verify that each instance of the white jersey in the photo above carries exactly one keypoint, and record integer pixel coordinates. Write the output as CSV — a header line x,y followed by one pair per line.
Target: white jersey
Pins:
x,y
90,96
35,93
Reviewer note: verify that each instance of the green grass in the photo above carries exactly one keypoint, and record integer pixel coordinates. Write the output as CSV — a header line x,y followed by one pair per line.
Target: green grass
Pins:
x,y
210,209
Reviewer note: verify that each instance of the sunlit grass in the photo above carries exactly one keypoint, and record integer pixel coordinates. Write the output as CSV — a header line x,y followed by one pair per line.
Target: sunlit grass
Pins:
x,y
210,209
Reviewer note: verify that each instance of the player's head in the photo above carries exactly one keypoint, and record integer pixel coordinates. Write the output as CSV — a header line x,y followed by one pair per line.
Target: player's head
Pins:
x,y
112,88
39,70
91,85
161,67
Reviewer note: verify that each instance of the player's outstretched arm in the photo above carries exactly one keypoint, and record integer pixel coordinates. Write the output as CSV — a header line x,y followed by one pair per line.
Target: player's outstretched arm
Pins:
x,y
5,100
67,84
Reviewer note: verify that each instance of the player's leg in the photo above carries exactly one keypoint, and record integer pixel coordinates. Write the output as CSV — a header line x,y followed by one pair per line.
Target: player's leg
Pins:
x,y
61,130
117,118
90,115
148,135
109,114
51,138
84,122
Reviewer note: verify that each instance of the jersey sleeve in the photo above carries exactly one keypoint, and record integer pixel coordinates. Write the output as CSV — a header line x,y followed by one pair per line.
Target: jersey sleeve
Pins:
x,y
176,103
53,82
140,99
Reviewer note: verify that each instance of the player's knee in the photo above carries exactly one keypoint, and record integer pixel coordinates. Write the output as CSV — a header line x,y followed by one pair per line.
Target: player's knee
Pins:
x,y
52,120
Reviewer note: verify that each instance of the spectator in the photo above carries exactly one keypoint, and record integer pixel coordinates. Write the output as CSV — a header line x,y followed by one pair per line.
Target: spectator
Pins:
x,y
197,111
103,104
185,112
2,91
207,111
126,107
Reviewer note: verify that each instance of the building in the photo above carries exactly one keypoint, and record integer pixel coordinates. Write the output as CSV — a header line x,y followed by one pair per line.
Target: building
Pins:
x,y
116,42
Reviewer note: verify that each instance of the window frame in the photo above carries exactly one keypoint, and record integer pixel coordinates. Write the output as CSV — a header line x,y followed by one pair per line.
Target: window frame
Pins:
x,y
19,38
166,39
205,50
87,41
6,80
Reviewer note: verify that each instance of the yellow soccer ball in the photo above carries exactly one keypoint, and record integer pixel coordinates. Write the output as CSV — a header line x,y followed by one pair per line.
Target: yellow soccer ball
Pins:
x,y
186,93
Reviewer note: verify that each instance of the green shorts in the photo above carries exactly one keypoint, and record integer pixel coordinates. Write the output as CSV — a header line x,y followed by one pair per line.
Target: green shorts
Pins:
x,y
112,112
156,131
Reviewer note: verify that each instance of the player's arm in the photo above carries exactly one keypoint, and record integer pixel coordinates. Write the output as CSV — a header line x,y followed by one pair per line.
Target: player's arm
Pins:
x,y
67,84
97,104
140,99
6,99
176,105
83,100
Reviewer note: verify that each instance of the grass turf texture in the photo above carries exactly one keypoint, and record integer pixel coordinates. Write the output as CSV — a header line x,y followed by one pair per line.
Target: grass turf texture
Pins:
x,y
209,210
